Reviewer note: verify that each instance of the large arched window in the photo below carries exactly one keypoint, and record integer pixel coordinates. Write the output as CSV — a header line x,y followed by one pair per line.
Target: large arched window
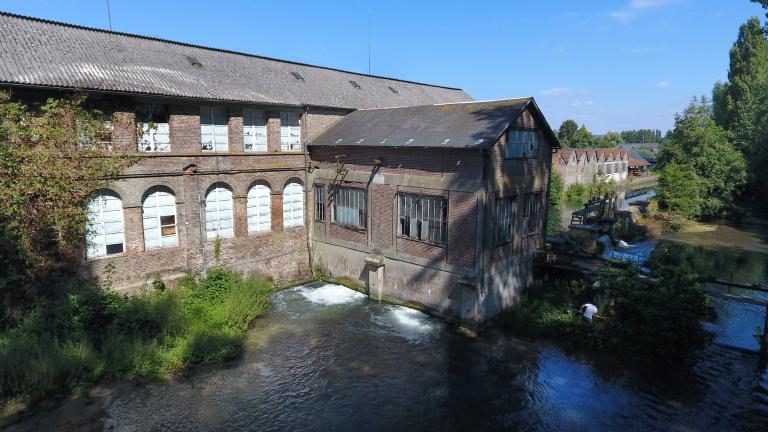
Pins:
x,y
159,218
259,213
293,205
105,235
218,212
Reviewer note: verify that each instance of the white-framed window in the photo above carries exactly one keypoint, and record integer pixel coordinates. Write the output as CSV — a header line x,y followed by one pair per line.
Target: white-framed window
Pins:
x,y
104,232
158,217
259,209
213,128
218,212
293,205
290,132
521,144
155,135
350,207
505,215
532,212
254,130
423,217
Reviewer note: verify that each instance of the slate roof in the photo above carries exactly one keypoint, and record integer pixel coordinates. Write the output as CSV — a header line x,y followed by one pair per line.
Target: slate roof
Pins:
x,y
564,156
46,53
455,125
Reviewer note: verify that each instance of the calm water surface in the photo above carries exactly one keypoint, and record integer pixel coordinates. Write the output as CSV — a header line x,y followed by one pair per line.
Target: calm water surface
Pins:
x,y
327,358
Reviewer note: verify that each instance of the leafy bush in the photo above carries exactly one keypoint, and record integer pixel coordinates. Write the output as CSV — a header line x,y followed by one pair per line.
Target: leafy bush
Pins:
x,y
657,323
97,334
576,192
555,188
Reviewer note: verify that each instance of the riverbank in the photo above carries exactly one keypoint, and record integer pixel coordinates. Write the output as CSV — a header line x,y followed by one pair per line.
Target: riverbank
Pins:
x,y
97,335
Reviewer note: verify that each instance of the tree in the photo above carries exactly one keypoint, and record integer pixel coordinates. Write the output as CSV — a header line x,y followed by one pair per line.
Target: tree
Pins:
x,y
739,104
611,139
764,4
583,138
53,157
702,173
555,188
566,132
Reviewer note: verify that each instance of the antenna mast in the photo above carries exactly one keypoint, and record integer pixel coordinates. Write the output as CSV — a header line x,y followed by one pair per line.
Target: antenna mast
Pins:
x,y
109,16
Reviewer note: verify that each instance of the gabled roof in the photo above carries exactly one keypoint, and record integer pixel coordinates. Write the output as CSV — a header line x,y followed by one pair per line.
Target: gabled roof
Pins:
x,y
474,125
36,52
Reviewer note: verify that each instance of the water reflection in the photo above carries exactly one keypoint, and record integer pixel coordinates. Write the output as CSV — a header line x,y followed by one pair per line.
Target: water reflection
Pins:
x,y
319,363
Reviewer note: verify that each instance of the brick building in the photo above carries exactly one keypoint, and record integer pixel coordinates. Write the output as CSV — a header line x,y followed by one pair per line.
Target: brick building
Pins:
x,y
223,145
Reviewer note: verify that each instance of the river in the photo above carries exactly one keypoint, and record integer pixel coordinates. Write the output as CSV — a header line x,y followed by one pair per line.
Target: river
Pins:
x,y
328,358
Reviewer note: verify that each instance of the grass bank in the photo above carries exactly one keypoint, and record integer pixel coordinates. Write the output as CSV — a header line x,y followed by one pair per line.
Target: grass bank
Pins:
x,y
96,334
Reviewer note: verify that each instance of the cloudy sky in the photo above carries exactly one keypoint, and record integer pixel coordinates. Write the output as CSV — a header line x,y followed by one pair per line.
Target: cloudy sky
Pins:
x,y
610,64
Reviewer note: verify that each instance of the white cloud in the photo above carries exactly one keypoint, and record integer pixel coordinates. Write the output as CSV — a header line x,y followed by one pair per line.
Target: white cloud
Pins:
x,y
645,4
634,8
557,91
663,85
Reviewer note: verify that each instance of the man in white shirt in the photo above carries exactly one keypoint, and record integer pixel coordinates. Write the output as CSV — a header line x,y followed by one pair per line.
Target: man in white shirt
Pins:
x,y
588,311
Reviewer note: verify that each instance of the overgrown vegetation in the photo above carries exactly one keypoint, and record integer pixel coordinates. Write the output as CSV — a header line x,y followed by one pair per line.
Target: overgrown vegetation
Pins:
x,y
96,334
656,323
53,157
579,193
555,188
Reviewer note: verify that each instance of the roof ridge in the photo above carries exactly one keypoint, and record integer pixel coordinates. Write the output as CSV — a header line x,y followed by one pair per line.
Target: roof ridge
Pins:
x,y
191,45
446,103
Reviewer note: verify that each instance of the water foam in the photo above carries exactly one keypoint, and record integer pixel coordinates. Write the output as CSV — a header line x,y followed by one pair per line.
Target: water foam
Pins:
x,y
410,323
331,295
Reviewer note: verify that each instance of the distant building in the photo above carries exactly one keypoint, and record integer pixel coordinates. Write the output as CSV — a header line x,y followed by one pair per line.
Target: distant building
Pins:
x,y
639,164
588,165
649,149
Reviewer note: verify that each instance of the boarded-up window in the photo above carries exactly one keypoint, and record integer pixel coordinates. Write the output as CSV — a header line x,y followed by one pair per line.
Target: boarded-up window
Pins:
x,y
254,131
259,209
521,144
350,207
293,205
104,233
213,128
505,214
290,132
218,212
158,212
532,213
423,217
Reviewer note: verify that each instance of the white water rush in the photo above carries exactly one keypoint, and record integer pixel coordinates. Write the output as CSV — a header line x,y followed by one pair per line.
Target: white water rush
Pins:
x,y
410,323
331,295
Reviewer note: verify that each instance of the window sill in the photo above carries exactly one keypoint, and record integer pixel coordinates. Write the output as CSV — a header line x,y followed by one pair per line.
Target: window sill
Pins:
x,y
440,245
351,228
260,233
104,257
160,248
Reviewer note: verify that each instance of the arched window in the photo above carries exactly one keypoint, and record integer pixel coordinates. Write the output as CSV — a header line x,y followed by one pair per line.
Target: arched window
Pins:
x,y
159,219
259,214
105,235
218,212
293,205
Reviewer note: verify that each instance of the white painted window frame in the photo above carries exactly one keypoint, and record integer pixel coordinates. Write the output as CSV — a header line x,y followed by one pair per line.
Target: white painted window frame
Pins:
x,y
254,135
152,220
96,229
220,145
290,134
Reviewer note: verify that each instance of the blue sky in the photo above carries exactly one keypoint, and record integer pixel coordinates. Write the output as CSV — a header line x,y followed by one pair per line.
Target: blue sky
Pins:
x,y
610,64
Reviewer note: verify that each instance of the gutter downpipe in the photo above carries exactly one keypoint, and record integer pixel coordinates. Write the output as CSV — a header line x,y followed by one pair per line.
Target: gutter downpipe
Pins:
x,y
305,129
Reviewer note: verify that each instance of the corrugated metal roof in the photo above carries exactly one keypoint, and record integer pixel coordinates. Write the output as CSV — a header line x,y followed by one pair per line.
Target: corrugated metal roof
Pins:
x,y
455,125
46,53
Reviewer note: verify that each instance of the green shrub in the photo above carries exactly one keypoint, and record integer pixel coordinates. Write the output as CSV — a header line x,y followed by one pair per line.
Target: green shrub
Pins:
x,y
96,334
576,193
652,323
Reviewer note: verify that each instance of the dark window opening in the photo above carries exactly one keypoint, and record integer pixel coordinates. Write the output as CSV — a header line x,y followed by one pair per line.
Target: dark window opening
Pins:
x,y
114,248
423,217
320,203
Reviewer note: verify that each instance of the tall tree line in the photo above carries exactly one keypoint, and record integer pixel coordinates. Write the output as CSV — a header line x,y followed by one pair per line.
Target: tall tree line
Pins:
x,y
740,105
641,136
